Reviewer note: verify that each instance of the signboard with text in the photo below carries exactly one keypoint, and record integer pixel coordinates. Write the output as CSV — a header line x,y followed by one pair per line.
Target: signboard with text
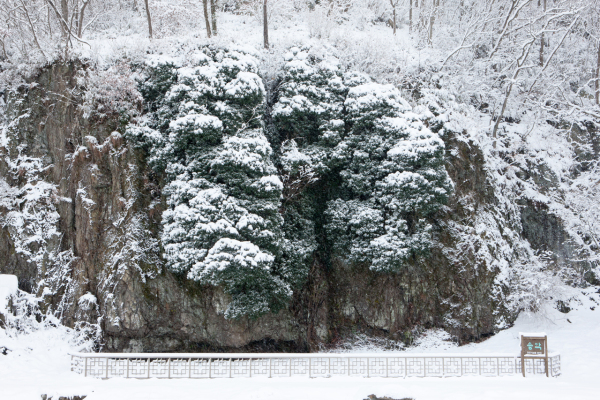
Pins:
x,y
534,346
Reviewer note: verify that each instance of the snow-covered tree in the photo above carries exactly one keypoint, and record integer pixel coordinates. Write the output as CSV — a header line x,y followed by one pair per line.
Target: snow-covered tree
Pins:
x,y
310,104
222,224
308,117
381,169
393,178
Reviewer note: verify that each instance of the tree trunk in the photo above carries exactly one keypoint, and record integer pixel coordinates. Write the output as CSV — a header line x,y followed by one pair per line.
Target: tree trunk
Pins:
x,y
265,24
49,19
206,19
543,41
81,15
598,78
394,19
432,21
213,16
410,16
64,14
149,18
75,18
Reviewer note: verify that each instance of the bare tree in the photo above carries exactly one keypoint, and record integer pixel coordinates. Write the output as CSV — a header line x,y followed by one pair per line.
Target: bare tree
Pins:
x,y
542,39
592,33
410,15
213,16
435,4
265,25
597,83
149,18
394,4
206,18
64,16
520,63
31,25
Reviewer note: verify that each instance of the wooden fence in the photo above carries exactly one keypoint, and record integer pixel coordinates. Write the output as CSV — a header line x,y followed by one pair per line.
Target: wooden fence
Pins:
x,y
201,365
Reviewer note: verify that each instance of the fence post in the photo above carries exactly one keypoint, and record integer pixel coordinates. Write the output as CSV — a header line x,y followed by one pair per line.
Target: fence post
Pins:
x,y
309,367
107,359
148,365
128,367
498,366
250,367
329,366
230,362
190,367
168,368
291,366
424,367
546,358
270,366
387,368
85,367
461,367
209,368
368,370
443,367
479,365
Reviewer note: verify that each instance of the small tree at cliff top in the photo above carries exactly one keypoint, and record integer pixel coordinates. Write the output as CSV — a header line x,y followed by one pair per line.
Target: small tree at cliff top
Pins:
x,y
310,106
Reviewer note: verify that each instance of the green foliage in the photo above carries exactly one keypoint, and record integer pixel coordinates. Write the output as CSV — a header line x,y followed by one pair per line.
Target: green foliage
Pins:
x,y
381,169
222,226
357,175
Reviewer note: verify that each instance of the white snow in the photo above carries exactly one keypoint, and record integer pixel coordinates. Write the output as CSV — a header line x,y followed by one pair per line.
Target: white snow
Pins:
x,y
9,286
230,251
533,334
39,364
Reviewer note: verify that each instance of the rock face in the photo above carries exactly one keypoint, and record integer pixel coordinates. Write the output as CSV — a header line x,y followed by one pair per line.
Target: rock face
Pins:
x,y
428,294
108,210
94,208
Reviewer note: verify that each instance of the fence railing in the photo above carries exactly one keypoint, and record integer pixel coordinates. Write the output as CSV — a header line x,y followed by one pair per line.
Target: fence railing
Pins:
x,y
201,365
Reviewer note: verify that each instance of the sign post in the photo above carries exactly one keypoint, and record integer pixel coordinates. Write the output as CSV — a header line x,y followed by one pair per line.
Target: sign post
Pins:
x,y
534,346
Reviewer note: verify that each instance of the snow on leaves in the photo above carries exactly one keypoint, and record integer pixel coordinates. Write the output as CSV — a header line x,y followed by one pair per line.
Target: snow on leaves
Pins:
x,y
222,226
388,167
226,224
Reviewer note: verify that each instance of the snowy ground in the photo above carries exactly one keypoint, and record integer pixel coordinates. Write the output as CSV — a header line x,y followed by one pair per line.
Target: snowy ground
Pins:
x,y
39,364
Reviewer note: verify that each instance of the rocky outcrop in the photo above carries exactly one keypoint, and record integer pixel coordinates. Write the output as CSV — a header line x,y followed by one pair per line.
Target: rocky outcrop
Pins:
x,y
109,209
97,258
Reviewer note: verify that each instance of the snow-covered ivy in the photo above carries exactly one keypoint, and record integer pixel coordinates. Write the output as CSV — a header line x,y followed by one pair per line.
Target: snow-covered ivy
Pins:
x,y
222,225
381,167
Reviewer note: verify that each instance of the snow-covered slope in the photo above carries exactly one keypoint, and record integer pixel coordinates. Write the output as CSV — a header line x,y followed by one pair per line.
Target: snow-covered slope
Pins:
x,y
38,364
